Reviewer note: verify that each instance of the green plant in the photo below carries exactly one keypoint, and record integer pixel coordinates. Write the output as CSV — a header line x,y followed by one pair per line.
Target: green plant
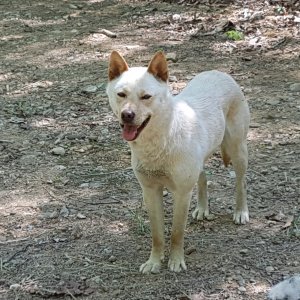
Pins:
x,y
280,10
235,35
142,227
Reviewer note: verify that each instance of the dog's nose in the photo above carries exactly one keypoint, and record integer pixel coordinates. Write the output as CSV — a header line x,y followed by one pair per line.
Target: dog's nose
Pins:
x,y
127,116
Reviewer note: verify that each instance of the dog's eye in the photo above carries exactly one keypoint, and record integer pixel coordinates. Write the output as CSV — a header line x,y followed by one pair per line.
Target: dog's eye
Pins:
x,y
146,97
121,94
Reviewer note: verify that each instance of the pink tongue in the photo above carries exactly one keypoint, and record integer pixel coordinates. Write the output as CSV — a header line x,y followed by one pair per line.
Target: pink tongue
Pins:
x,y
129,132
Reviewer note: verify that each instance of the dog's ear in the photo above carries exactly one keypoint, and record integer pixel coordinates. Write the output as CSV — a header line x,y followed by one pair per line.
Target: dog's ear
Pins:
x,y
117,65
159,67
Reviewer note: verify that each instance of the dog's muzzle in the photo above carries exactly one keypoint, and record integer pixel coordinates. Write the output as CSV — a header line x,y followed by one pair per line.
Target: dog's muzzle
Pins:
x,y
130,130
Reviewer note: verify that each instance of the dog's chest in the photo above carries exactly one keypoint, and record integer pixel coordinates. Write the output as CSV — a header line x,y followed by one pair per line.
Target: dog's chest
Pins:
x,y
149,172
160,176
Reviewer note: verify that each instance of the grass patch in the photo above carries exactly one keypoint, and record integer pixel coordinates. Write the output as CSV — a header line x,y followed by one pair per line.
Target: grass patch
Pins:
x,y
142,227
234,35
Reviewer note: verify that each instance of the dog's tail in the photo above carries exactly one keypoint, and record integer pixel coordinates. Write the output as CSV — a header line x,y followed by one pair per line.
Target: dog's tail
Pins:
x,y
226,158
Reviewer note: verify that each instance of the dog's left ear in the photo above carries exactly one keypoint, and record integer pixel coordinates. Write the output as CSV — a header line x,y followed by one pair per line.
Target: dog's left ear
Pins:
x,y
159,67
117,65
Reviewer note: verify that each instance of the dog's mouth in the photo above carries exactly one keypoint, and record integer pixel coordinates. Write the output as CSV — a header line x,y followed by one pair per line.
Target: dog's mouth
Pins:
x,y
130,131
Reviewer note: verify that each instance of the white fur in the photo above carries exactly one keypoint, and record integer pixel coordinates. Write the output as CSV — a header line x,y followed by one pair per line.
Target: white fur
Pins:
x,y
288,289
171,150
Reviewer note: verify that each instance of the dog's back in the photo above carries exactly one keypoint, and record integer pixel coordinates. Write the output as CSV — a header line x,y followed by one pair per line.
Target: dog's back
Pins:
x,y
220,106
212,90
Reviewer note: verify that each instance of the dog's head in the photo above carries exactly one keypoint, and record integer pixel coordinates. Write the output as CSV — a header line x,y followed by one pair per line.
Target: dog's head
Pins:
x,y
137,94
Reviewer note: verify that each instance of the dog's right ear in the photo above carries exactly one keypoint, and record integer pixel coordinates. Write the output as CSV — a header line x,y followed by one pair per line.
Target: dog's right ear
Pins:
x,y
117,65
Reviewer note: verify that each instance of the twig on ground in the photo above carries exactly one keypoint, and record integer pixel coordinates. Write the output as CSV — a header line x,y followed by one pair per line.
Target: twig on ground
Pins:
x,y
16,253
70,294
5,141
13,241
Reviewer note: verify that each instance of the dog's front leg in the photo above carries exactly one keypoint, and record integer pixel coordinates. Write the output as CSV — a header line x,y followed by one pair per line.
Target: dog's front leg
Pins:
x,y
180,213
153,197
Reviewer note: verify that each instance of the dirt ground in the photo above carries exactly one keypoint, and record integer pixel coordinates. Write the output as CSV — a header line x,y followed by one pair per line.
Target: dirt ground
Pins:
x,y
72,223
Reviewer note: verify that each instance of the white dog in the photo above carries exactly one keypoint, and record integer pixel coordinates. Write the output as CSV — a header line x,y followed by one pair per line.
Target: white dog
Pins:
x,y
172,137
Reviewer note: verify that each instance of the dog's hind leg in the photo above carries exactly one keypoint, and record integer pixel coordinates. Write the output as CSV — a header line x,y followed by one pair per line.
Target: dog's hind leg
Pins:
x,y
236,149
240,163
202,209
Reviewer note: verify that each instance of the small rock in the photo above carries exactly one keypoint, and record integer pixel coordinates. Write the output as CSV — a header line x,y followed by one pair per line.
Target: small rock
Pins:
x,y
90,89
81,216
95,184
75,136
172,78
254,125
210,217
172,57
241,281
269,269
232,174
50,215
59,240
246,58
15,286
297,19
210,183
73,211
72,6
242,289
84,185
274,169
295,87
165,193
64,212
59,167
93,138
273,102
107,251
112,259
176,17
94,282
244,251
29,159
58,151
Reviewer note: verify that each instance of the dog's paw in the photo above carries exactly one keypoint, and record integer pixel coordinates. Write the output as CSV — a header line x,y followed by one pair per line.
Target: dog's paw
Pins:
x,y
241,217
177,264
200,213
150,266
